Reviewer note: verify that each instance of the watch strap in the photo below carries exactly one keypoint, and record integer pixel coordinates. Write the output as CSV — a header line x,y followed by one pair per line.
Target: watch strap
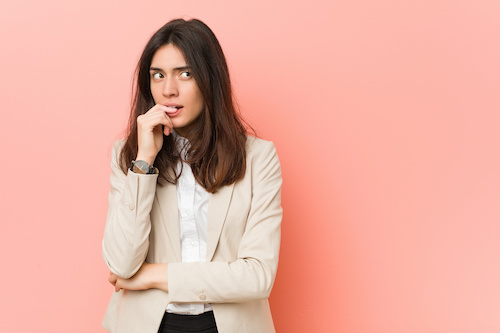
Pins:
x,y
142,167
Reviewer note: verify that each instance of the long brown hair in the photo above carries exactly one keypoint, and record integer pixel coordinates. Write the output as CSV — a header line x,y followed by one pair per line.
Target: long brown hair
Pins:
x,y
217,153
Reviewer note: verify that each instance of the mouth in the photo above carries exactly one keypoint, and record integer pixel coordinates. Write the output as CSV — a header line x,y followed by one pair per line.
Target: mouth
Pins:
x,y
173,110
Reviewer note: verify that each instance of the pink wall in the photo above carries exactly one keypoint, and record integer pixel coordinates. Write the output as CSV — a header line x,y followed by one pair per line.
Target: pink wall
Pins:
x,y
385,114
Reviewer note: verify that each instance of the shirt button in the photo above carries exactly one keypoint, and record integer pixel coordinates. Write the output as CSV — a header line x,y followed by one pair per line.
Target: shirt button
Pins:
x,y
131,206
203,297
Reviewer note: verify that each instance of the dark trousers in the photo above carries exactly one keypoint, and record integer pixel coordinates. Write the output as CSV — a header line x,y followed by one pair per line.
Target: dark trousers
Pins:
x,y
175,323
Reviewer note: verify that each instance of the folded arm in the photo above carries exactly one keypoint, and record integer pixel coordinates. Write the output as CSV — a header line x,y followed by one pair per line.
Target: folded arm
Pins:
x,y
252,274
126,235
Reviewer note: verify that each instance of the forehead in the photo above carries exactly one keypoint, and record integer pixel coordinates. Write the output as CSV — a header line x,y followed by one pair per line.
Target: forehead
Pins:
x,y
168,56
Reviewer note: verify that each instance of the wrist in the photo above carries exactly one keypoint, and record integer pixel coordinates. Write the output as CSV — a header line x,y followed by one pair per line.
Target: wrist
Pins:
x,y
148,160
158,277
142,167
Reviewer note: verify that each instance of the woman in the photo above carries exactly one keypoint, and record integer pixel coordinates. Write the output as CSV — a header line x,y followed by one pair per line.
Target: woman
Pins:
x,y
193,228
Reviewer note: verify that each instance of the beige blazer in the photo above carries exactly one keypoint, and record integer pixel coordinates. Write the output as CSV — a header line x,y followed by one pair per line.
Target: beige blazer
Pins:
x,y
243,239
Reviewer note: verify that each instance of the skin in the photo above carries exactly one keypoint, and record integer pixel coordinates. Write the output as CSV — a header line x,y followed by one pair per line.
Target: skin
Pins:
x,y
171,84
147,277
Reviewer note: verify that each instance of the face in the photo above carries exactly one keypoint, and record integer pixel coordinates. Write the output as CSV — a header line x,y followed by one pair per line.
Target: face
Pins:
x,y
173,85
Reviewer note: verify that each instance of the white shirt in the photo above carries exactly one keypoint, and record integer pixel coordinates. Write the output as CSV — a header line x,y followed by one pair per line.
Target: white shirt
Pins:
x,y
192,201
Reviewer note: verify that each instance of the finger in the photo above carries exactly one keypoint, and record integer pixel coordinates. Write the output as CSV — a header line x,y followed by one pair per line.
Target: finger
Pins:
x,y
167,130
155,107
150,121
168,123
112,279
117,286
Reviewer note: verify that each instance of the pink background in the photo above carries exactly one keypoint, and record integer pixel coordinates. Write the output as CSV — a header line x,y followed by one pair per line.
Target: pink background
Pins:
x,y
385,115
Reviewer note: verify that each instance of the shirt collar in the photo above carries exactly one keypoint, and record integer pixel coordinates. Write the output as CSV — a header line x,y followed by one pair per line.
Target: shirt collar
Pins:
x,y
181,143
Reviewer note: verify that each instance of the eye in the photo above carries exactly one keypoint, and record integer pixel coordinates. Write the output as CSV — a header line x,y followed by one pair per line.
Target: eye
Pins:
x,y
157,76
185,74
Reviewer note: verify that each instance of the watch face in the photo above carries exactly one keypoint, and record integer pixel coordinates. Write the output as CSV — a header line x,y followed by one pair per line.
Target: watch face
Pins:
x,y
141,167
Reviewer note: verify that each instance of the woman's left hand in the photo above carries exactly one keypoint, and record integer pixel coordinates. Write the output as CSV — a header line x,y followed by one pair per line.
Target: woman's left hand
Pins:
x,y
147,277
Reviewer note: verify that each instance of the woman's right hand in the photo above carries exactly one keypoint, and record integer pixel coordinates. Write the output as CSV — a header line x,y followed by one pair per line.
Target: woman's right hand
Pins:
x,y
150,134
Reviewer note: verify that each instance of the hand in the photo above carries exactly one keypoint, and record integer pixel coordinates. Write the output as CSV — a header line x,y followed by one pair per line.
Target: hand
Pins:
x,y
150,134
147,277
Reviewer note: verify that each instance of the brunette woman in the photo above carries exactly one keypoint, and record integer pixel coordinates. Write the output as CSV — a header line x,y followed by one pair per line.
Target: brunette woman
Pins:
x,y
193,228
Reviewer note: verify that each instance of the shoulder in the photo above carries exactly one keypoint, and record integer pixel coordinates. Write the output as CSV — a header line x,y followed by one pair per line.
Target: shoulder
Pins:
x,y
118,145
256,146
117,148
262,156
116,152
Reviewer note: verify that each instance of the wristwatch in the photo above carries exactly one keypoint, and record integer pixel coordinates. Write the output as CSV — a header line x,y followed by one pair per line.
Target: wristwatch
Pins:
x,y
143,168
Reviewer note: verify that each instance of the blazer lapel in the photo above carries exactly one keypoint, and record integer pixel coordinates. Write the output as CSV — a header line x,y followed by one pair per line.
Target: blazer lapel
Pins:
x,y
167,199
217,211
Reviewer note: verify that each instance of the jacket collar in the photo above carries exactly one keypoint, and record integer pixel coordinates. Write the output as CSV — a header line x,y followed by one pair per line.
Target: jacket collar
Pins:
x,y
216,216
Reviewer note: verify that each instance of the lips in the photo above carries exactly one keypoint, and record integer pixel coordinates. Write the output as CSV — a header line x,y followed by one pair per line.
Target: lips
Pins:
x,y
173,110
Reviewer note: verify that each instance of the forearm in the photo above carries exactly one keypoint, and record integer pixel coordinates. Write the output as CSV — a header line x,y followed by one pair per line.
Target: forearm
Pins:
x,y
251,272
149,276
212,282
158,277
126,236
220,282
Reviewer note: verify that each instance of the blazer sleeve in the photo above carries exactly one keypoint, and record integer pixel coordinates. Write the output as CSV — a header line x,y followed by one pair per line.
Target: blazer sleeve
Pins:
x,y
126,235
252,275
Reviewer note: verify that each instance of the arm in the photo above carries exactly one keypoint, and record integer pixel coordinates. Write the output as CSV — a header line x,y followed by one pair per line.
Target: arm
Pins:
x,y
149,276
126,235
251,275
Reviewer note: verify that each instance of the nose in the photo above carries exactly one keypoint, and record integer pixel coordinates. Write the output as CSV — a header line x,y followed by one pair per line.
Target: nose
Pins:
x,y
170,87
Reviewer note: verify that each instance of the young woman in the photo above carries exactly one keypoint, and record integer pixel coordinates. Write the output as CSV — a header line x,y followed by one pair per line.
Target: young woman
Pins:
x,y
193,228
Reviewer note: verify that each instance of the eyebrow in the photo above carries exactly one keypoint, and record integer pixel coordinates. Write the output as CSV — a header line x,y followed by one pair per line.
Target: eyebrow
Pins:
x,y
175,69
